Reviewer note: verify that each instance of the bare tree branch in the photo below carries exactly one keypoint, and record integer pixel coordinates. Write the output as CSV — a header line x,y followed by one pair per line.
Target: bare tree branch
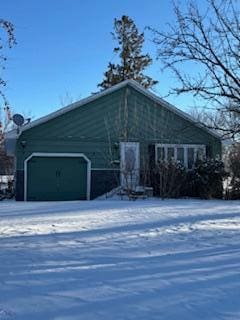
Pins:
x,y
6,36
210,42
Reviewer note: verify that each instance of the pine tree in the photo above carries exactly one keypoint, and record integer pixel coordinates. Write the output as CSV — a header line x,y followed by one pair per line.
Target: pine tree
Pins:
x,y
132,61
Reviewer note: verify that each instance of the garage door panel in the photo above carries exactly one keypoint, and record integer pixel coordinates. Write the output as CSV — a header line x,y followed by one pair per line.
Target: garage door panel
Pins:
x,y
41,175
67,185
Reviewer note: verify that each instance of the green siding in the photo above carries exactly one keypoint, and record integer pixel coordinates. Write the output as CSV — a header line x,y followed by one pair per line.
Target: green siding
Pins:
x,y
86,129
149,123
95,128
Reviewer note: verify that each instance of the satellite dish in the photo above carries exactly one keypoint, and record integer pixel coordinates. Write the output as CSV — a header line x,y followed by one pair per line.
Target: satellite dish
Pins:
x,y
18,119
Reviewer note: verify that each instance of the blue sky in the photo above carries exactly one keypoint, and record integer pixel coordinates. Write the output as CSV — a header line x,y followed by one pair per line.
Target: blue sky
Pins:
x,y
64,47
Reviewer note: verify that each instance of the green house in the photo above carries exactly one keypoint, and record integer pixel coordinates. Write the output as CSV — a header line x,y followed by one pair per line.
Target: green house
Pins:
x,y
79,151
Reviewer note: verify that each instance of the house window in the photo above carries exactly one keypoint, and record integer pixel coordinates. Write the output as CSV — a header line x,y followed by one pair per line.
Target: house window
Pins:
x,y
180,155
190,158
161,154
170,153
186,154
200,153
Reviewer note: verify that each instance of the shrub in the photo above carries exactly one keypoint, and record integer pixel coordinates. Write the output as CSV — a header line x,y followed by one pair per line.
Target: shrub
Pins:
x,y
172,180
168,179
206,179
234,167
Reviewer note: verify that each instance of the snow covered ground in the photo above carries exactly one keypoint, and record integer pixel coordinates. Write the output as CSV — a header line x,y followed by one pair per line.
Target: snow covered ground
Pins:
x,y
111,260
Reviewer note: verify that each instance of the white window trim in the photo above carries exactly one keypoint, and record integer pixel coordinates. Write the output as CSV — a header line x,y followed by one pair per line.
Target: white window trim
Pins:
x,y
60,155
184,146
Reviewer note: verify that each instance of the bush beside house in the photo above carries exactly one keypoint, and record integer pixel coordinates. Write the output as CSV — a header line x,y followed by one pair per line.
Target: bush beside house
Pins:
x,y
172,180
233,160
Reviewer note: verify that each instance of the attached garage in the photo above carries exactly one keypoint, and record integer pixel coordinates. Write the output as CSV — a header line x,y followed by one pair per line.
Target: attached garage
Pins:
x,y
55,177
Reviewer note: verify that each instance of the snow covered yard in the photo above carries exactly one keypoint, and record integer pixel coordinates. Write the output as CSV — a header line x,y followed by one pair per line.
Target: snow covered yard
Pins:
x,y
110,260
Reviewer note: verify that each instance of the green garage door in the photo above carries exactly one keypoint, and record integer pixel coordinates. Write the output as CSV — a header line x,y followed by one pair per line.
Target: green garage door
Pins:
x,y
56,179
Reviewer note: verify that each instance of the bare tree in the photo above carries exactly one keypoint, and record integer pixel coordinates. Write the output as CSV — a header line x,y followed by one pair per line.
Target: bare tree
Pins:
x,y
215,120
210,41
6,33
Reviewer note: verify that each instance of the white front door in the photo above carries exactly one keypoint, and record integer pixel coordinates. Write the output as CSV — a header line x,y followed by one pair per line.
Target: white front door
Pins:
x,y
130,165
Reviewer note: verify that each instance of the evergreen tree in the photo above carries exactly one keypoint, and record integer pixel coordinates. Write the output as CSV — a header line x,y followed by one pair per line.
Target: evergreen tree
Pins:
x,y
132,61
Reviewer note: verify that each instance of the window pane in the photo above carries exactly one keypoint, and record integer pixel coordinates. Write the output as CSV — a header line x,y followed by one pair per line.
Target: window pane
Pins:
x,y
160,154
170,153
190,155
200,154
180,155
